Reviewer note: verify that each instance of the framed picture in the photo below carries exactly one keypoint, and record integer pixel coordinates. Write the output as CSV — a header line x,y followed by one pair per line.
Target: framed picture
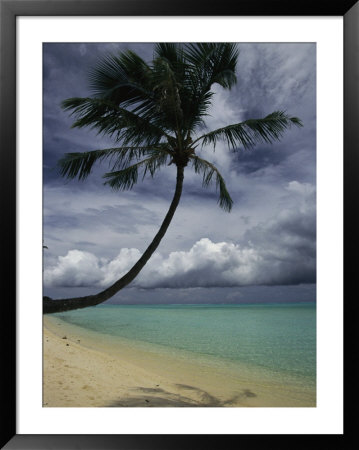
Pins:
x,y
44,55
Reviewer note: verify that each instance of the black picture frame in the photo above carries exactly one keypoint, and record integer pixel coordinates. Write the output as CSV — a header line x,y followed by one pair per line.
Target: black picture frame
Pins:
x,y
9,10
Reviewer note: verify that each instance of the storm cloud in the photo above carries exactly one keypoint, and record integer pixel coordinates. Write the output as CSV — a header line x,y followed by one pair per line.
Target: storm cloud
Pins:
x,y
94,235
280,251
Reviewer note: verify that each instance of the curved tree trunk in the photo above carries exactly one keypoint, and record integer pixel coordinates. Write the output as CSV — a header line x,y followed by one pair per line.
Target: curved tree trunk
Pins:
x,y
52,306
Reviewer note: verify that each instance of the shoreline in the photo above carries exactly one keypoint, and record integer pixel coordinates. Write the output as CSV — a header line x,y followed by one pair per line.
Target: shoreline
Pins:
x,y
81,370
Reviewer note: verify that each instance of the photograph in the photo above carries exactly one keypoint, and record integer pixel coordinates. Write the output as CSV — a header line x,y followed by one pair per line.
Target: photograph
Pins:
x,y
178,184
179,224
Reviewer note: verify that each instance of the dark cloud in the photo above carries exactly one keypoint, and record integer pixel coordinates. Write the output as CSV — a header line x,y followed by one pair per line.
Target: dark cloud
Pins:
x,y
270,233
280,251
244,295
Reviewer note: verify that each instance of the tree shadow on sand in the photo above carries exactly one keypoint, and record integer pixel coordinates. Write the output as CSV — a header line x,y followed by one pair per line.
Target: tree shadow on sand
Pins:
x,y
189,396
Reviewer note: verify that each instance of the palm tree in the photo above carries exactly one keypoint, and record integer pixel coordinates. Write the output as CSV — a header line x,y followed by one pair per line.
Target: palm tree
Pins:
x,y
155,113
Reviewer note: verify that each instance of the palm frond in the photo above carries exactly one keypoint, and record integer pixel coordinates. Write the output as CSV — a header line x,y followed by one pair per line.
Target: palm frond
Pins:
x,y
167,91
172,53
207,63
152,110
214,62
127,81
108,118
209,171
124,79
252,131
126,178
80,164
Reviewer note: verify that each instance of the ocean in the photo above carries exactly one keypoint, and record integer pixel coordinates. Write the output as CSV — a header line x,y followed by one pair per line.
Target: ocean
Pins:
x,y
265,342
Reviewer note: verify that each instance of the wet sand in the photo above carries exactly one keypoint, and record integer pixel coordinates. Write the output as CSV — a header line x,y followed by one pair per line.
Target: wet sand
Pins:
x,y
80,370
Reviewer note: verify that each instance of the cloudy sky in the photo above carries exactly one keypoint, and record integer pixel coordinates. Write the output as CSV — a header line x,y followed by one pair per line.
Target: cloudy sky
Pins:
x,y
263,250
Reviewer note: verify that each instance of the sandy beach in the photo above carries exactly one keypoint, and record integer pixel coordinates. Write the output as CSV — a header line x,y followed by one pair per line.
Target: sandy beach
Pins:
x,y
79,371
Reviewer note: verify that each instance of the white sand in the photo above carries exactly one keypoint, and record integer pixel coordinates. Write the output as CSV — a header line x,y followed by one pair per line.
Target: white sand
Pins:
x,y
78,371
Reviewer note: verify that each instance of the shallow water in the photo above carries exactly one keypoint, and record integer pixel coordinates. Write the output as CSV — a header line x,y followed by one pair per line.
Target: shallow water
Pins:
x,y
274,342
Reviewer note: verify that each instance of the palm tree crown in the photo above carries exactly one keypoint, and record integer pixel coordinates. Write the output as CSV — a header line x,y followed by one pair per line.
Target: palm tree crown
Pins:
x,y
155,113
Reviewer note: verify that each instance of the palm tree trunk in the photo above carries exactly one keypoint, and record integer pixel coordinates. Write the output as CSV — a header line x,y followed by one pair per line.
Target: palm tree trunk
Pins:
x,y
52,306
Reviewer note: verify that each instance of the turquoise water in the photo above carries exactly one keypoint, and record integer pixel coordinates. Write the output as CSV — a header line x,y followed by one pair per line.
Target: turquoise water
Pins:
x,y
278,338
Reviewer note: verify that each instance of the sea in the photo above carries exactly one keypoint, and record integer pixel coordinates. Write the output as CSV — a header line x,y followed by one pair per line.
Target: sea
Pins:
x,y
271,342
